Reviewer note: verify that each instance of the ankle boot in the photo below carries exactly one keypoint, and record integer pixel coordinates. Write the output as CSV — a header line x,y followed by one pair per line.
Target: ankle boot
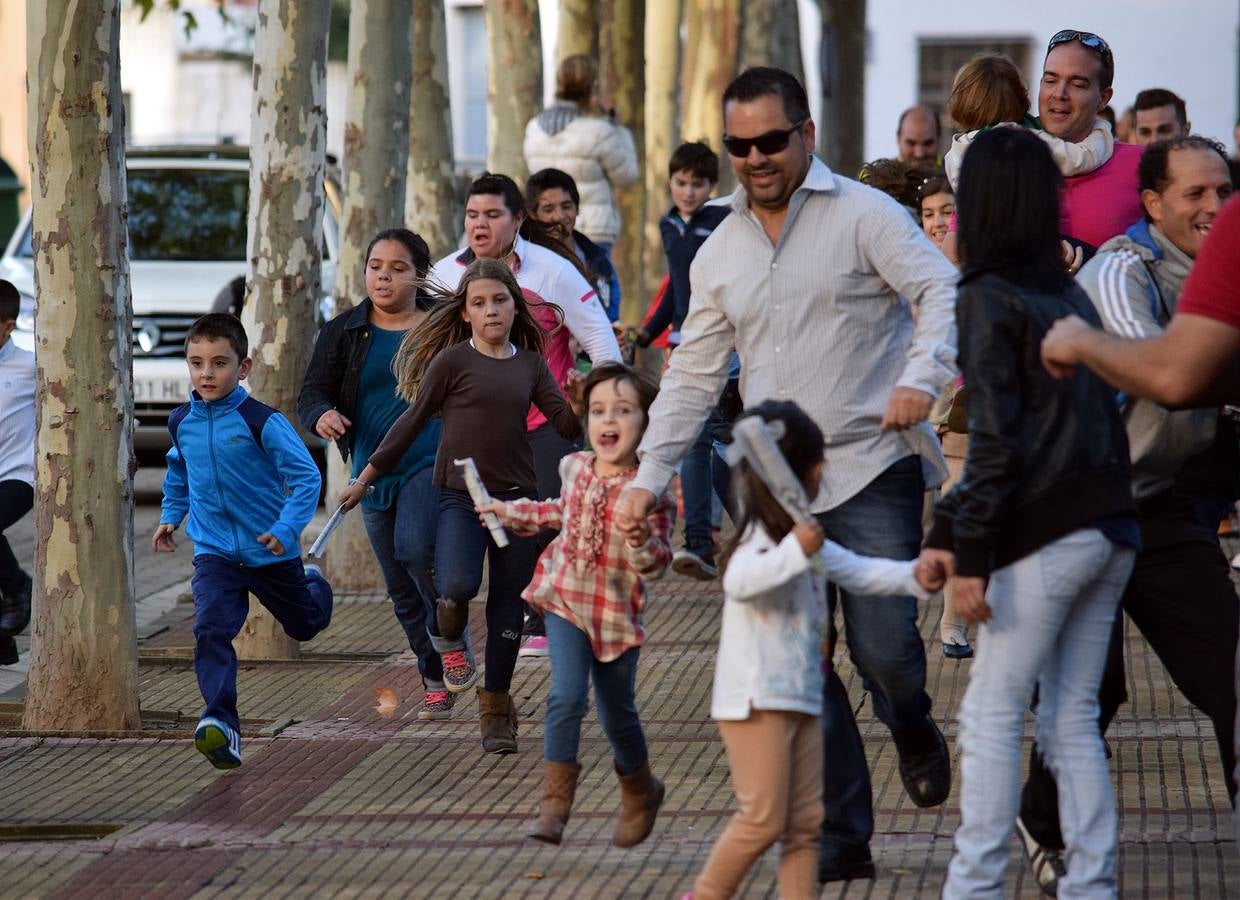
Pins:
x,y
452,618
641,795
15,608
559,786
498,718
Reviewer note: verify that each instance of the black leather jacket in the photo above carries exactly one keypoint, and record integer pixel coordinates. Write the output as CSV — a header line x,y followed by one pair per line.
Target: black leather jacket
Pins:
x,y
1046,457
335,369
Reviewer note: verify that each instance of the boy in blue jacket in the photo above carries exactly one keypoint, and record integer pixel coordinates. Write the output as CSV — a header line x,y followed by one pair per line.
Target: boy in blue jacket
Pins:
x,y
249,486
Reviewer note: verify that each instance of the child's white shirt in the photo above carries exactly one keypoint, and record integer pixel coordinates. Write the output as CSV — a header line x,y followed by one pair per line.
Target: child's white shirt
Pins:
x,y
775,615
16,414
1072,158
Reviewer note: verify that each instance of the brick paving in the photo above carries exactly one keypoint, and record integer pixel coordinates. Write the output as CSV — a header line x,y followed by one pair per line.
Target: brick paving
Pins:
x,y
335,800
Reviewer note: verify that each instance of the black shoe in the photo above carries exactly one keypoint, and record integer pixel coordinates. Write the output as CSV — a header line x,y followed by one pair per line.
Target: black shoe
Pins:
x,y
452,618
8,650
957,651
927,775
844,863
15,609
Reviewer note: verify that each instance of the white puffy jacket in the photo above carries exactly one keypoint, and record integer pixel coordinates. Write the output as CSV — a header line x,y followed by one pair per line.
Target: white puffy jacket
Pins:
x,y
596,152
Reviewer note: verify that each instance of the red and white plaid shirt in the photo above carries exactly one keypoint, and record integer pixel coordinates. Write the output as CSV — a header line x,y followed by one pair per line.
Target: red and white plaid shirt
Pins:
x,y
589,575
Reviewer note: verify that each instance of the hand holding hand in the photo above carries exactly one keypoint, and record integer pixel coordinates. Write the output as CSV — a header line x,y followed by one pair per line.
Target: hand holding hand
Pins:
x,y
906,408
637,537
810,536
632,507
271,542
331,425
969,595
933,568
162,541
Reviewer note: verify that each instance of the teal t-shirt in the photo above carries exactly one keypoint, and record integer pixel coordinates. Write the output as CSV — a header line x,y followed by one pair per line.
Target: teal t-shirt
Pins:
x,y
378,406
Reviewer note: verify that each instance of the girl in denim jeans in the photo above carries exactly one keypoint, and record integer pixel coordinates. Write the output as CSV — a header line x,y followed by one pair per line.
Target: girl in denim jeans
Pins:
x,y
1039,533
590,586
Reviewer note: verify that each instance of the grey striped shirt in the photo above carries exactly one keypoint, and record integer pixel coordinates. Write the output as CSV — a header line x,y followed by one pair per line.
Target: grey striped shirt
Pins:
x,y
821,318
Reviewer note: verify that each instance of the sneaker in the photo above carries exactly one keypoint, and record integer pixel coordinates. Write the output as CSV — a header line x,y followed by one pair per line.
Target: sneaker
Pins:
x,y
1047,864
219,742
459,672
534,645
437,705
697,563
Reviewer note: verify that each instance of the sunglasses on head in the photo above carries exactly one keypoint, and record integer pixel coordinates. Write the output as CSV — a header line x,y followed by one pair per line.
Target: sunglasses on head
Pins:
x,y
1087,38
769,143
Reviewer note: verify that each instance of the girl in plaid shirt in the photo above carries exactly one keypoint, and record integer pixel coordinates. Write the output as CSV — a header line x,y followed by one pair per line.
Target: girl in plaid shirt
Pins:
x,y
590,585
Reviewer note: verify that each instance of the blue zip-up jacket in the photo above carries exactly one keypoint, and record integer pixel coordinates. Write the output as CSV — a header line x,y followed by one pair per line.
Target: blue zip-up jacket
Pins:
x,y
239,469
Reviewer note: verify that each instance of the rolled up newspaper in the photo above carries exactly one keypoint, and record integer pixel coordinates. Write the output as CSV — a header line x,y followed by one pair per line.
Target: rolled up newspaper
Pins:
x,y
320,544
754,441
478,493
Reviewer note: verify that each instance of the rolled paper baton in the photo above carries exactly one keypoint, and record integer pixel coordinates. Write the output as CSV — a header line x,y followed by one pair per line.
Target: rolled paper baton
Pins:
x,y
478,493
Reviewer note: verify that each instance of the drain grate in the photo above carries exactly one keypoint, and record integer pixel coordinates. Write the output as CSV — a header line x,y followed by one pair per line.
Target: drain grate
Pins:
x,y
59,831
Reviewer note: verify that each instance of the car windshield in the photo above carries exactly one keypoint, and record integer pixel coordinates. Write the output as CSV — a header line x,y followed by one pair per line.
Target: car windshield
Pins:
x,y
183,215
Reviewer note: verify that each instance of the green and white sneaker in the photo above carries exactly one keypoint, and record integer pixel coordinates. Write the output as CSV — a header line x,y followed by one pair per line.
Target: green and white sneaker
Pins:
x,y
219,742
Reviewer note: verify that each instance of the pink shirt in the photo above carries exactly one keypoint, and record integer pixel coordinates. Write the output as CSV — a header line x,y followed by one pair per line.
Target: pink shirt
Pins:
x,y
1100,204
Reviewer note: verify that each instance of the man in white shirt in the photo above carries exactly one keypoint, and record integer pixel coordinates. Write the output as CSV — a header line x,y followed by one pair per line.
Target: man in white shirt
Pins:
x,y
16,470
811,279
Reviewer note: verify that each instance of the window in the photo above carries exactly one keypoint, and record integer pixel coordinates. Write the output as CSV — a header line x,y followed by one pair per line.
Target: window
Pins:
x,y
473,96
940,58
188,214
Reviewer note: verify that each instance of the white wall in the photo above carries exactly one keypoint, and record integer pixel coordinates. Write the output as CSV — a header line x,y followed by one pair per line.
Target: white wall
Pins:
x,y
1187,46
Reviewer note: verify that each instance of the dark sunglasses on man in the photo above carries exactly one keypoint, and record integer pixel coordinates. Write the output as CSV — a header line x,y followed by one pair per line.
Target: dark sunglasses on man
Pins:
x,y
769,143
1087,39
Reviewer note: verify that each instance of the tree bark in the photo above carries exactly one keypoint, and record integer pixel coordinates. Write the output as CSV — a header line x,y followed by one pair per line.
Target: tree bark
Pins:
x,y
710,63
841,133
661,137
287,162
83,659
771,36
514,82
622,87
577,31
432,207
376,153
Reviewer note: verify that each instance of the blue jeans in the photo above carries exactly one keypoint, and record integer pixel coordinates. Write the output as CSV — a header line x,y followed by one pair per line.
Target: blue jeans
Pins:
x,y
461,544
702,474
615,684
1051,623
403,538
300,601
884,644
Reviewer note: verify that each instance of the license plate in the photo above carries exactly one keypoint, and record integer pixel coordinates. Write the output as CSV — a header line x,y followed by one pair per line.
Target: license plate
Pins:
x,y
160,390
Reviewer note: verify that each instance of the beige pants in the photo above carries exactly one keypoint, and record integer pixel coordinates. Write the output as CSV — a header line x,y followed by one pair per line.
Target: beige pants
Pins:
x,y
776,763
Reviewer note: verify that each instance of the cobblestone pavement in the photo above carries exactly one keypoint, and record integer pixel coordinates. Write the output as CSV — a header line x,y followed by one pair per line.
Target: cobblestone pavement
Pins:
x,y
335,800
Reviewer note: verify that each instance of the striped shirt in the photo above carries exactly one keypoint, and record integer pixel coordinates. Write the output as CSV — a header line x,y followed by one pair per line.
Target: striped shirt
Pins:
x,y
820,318
589,575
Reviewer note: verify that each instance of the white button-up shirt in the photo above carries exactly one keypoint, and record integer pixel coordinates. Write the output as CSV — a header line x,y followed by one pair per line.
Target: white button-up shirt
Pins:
x,y
16,414
823,318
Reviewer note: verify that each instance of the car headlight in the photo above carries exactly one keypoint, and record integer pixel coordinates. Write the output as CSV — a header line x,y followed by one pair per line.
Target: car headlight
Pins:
x,y
25,313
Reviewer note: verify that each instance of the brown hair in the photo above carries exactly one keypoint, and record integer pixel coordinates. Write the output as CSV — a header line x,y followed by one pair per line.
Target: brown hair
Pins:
x,y
988,90
642,383
445,327
574,80
895,178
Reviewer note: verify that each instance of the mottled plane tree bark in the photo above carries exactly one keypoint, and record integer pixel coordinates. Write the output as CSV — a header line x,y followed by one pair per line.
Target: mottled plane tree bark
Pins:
x,y
432,207
287,163
83,658
514,82
841,133
577,31
661,135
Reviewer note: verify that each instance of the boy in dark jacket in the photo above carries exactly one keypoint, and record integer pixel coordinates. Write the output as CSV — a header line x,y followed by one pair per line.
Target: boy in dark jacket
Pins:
x,y
249,487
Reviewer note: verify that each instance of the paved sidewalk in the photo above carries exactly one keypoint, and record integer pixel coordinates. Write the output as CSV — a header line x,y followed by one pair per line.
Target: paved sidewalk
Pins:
x,y
334,800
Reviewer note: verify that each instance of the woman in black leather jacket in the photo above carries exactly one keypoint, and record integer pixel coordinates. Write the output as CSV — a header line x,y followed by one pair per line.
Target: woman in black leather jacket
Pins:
x,y
1039,532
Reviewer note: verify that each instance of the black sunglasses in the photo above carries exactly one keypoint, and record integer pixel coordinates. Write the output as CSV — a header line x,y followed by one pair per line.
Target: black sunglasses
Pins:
x,y
769,143
1087,38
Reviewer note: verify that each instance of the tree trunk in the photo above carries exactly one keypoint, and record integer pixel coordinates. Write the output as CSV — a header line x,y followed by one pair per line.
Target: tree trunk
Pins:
x,y
710,63
661,137
578,32
376,153
622,83
771,36
84,658
432,208
287,161
514,82
841,133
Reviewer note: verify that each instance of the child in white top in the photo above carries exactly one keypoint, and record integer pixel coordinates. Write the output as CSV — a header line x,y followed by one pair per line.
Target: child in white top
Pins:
x,y
768,674
988,92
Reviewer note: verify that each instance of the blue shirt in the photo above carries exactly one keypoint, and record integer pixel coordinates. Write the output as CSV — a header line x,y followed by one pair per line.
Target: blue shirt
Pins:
x,y
378,406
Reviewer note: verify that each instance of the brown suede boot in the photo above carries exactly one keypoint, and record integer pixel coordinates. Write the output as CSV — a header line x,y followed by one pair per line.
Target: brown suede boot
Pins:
x,y
498,718
452,618
641,795
559,786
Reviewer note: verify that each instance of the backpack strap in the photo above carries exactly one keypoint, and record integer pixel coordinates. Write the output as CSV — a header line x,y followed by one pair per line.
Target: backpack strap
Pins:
x,y
255,415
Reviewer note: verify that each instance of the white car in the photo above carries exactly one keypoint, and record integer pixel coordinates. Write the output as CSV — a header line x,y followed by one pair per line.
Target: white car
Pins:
x,y
187,250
